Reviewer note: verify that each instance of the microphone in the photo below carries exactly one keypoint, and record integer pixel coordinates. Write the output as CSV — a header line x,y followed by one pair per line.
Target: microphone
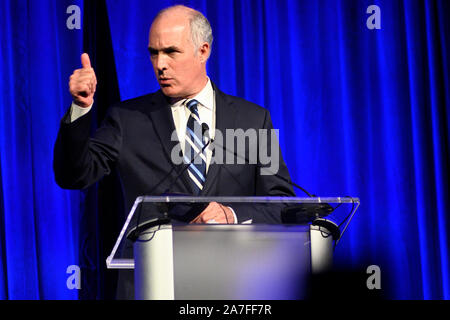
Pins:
x,y
273,173
301,213
178,211
205,130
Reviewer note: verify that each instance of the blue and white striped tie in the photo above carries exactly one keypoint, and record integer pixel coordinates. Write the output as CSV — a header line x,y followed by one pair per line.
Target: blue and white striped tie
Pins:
x,y
193,145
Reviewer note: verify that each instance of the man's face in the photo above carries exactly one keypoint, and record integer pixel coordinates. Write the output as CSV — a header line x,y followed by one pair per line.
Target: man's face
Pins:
x,y
179,67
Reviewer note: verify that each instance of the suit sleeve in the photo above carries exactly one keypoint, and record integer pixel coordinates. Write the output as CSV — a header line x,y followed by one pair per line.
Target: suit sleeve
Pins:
x,y
80,160
270,180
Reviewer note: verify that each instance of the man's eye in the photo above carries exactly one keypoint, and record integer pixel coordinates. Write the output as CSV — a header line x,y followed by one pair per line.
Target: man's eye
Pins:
x,y
170,51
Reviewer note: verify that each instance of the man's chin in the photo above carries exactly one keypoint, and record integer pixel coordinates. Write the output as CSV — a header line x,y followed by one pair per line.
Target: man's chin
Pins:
x,y
172,94
169,91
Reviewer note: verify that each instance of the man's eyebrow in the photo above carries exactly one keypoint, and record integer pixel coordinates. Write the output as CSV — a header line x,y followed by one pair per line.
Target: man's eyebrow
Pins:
x,y
167,49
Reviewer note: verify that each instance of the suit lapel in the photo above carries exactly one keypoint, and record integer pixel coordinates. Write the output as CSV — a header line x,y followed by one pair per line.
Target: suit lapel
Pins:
x,y
225,119
162,119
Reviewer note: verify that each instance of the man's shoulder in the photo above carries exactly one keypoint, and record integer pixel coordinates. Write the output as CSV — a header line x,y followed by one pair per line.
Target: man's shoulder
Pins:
x,y
136,102
144,103
243,104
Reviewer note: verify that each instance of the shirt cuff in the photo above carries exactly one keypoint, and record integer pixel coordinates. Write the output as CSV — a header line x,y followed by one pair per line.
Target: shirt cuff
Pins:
x,y
234,215
77,112
249,221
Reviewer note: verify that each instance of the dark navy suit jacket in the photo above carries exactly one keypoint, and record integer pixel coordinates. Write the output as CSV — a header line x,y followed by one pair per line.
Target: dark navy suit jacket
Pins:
x,y
135,139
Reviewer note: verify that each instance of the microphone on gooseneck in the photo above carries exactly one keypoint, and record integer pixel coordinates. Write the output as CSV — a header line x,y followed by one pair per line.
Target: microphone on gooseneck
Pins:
x,y
300,213
273,173
179,212
205,133
205,130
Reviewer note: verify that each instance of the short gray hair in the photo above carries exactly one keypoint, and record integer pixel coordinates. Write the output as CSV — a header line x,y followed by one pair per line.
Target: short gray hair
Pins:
x,y
200,27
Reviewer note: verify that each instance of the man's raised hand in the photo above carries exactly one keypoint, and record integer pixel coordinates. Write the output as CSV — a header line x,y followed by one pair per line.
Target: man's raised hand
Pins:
x,y
83,83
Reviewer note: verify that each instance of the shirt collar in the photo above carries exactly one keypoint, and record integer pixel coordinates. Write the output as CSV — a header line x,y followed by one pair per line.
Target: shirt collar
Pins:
x,y
204,97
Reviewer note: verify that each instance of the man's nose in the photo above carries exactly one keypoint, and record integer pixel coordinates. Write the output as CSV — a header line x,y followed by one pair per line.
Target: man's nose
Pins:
x,y
161,63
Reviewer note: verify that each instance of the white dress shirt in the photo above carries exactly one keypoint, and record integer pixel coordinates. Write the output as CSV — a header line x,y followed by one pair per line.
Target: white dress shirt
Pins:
x,y
206,111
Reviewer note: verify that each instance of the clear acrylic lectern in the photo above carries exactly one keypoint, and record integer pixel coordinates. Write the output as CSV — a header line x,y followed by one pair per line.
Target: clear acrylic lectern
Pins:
x,y
267,257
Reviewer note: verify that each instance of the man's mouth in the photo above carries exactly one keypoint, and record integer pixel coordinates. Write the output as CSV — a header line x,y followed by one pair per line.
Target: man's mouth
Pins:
x,y
163,80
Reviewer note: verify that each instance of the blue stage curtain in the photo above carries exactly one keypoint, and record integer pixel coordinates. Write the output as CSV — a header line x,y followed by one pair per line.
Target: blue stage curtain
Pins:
x,y
38,220
361,112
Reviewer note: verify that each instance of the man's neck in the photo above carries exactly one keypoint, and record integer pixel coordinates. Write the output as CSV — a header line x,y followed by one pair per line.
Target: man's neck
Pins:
x,y
175,100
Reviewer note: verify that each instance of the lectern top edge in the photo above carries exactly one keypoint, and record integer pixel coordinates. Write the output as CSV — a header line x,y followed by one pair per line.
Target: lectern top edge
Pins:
x,y
175,198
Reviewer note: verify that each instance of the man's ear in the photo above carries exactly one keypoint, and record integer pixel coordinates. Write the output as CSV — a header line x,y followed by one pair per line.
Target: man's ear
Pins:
x,y
204,51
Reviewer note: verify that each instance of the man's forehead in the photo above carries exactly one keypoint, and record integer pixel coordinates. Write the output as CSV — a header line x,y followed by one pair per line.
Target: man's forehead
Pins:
x,y
171,18
168,30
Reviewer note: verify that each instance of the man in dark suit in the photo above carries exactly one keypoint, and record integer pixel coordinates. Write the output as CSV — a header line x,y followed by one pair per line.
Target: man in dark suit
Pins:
x,y
136,137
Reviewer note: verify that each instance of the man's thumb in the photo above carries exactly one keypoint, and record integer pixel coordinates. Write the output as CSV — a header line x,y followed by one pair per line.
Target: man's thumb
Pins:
x,y
85,61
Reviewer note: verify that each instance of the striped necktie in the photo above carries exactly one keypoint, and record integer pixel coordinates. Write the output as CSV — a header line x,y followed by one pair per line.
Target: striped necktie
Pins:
x,y
193,145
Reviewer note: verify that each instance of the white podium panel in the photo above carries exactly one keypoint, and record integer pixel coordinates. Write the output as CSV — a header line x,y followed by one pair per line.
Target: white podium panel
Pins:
x,y
177,260
231,262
